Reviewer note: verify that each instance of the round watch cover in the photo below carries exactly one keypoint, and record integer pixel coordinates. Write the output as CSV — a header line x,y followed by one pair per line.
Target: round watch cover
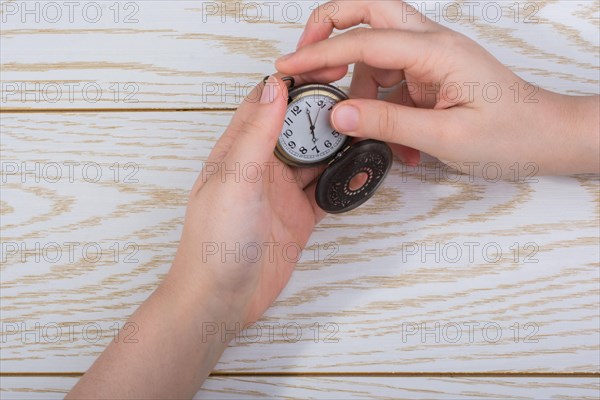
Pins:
x,y
367,162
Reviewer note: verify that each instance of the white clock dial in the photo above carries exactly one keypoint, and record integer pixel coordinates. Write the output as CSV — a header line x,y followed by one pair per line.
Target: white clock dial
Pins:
x,y
307,136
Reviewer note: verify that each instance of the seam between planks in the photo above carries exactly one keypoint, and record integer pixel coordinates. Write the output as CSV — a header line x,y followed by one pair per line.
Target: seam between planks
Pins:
x,y
110,110
353,374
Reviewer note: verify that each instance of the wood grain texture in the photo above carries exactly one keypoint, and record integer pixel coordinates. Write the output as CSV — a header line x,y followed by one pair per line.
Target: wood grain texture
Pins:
x,y
189,54
415,283
436,274
344,388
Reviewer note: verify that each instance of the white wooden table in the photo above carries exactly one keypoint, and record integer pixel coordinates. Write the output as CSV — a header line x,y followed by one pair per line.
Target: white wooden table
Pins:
x,y
438,287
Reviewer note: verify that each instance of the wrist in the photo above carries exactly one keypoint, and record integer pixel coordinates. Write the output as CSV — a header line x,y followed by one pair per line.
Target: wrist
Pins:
x,y
586,132
210,308
572,125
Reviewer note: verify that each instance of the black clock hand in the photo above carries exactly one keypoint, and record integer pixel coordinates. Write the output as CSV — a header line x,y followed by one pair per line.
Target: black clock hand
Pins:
x,y
312,126
317,118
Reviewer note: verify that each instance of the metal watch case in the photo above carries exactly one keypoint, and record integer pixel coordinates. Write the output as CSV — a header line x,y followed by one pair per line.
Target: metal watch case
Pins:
x,y
372,159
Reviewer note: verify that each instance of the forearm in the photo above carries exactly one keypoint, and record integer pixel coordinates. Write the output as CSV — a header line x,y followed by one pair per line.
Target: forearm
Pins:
x,y
209,293
170,357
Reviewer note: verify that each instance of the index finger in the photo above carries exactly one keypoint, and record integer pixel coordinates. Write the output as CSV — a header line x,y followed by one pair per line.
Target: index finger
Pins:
x,y
375,47
384,14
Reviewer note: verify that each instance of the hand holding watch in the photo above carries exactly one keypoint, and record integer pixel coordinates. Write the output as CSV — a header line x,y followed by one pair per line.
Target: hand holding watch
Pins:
x,y
354,171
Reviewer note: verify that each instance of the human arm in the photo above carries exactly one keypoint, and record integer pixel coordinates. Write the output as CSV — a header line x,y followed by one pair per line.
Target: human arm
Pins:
x,y
207,286
451,98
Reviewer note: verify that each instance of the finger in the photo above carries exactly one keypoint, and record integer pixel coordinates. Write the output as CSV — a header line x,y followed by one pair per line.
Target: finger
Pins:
x,y
364,85
325,75
305,176
414,127
377,14
343,15
310,195
372,47
258,135
400,95
366,80
408,155
243,113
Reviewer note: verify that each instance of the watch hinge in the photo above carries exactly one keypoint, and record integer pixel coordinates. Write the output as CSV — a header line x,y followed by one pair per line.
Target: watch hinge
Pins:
x,y
339,155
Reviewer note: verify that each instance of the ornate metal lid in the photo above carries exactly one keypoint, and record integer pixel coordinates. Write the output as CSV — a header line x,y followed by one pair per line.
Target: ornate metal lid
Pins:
x,y
353,176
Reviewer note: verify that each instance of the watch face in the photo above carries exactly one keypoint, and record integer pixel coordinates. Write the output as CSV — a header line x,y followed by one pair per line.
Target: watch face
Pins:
x,y
307,137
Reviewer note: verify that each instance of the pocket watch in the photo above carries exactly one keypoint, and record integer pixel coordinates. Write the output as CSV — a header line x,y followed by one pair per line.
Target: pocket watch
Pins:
x,y
353,172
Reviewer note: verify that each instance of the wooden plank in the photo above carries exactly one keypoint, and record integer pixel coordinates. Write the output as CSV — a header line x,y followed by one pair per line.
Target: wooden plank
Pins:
x,y
380,289
31,388
185,54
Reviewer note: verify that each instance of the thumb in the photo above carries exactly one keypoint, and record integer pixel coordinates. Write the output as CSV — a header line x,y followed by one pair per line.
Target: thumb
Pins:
x,y
259,132
418,128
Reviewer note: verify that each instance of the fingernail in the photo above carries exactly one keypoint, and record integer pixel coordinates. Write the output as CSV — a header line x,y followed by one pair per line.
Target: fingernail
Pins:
x,y
300,40
345,118
270,91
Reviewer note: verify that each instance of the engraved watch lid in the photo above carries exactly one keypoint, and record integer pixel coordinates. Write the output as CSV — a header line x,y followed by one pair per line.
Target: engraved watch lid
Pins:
x,y
353,176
